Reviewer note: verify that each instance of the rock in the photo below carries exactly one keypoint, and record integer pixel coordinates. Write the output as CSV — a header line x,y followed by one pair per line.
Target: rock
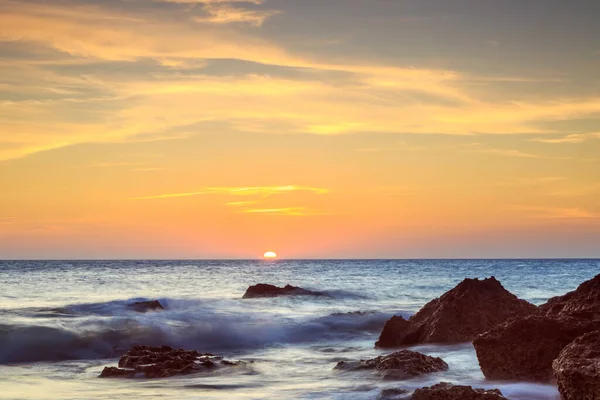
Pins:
x,y
448,391
392,394
163,362
471,308
145,306
114,372
265,290
524,348
577,368
399,365
584,302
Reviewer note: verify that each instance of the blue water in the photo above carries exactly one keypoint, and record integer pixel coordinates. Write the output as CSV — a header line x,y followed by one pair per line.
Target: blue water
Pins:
x,y
61,322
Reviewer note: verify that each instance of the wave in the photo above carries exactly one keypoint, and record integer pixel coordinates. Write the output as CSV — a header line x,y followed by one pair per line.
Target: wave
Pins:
x,y
106,330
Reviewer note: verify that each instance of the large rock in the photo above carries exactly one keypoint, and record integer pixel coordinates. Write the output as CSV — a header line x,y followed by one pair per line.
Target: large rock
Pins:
x,y
162,362
145,306
447,391
524,348
399,365
577,368
471,308
584,302
265,290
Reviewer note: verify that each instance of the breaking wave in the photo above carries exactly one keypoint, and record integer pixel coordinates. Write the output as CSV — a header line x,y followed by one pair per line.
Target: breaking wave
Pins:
x,y
106,330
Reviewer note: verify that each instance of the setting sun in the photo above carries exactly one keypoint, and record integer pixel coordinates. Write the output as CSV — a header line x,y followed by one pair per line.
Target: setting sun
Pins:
x,y
270,255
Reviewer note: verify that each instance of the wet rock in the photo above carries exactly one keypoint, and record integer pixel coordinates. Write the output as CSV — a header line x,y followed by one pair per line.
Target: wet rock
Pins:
x,y
393,394
265,290
114,372
471,308
162,362
524,348
577,368
448,391
352,313
584,302
145,306
399,365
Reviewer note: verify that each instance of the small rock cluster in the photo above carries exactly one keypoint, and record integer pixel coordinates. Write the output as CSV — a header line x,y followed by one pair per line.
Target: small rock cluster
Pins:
x,y
399,365
162,362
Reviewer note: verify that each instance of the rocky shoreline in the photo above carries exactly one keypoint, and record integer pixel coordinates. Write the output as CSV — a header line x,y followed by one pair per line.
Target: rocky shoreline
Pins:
x,y
558,342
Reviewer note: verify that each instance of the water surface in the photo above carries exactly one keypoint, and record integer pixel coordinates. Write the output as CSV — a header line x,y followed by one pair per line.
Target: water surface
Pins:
x,y
61,322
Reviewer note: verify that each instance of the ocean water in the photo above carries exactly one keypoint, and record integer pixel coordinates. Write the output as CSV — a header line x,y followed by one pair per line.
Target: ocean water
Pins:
x,y
62,322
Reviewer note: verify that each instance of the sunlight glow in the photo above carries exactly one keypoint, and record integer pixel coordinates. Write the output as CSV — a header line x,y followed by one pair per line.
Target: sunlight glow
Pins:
x,y
270,255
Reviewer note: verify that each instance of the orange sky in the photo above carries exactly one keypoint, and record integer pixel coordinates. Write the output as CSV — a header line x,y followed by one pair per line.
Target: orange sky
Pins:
x,y
222,129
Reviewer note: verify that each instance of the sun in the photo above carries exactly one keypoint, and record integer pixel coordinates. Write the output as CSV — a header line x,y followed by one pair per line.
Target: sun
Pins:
x,y
270,255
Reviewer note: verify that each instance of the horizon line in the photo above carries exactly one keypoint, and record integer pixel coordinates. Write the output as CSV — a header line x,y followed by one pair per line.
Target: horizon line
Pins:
x,y
310,259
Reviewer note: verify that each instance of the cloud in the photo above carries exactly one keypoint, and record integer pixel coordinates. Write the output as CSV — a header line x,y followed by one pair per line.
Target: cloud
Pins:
x,y
223,13
149,169
115,164
212,1
55,101
556,212
573,138
478,148
260,191
288,211
239,203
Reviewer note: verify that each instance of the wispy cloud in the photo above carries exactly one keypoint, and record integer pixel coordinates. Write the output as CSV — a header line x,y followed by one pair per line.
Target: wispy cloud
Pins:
x,y
573,138
287,211
240,203
479,148
7,220
149,169
115,164
223,13
260,191
556,212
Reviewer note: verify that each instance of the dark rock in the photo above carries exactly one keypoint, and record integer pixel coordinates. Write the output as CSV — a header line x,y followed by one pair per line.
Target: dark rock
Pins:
x,y
577,368
471,308
352,313
524,348
114,372
448,391
145,306
265,290
584,302
163,362
399,365
392,394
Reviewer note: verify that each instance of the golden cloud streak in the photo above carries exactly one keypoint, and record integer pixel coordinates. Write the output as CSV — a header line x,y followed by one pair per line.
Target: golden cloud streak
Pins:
x,y
263,191
287,211
557,212
221,13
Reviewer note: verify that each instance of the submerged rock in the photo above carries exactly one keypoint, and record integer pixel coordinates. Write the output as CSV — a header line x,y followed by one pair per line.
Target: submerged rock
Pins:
x,y
163,362
393,394
399,365
471,308
524,348
577,368
584,302
145,306
448,391
265,290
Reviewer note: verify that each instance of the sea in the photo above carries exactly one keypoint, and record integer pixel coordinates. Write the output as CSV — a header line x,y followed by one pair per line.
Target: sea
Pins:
x,y
62,322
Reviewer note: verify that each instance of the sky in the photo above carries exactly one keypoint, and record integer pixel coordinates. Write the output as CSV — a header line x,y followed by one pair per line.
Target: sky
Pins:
x,y
313,128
